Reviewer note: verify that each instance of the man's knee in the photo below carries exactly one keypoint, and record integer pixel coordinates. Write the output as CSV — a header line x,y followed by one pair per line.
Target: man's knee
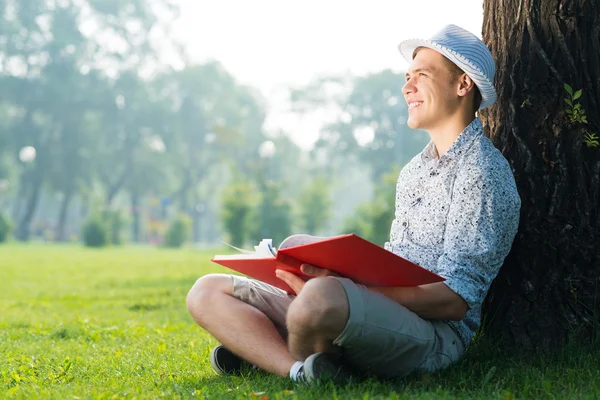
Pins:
x,y
321,306
201,296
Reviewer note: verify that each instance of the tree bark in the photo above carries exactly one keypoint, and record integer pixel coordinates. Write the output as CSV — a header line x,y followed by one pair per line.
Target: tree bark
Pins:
x,y
23,228
195,217
17,208
135,214
548,287
62,216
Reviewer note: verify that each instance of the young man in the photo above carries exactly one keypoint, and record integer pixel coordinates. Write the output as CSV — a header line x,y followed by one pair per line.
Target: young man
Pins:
x,y
457,212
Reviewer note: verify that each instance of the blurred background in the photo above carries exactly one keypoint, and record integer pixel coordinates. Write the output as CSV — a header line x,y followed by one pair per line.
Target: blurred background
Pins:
x,y
167,122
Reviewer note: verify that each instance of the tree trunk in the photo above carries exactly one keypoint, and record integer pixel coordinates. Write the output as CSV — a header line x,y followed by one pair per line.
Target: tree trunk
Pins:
x,y
17,208
135,213
23,228
113,188
195,217
62,217
548,288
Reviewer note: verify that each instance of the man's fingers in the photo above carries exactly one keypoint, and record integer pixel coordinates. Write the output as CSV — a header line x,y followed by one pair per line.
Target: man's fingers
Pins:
x,y
313,270
293,281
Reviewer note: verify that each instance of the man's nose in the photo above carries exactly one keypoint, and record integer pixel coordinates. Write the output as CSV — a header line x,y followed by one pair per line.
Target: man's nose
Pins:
x,y
408,88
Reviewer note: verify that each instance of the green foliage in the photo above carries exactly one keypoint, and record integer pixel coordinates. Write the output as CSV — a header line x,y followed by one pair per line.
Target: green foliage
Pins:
x,y
110,324
96,131
372,123
5,228
114,222
591,139
360,223
95,232
273,216
315,205
178,232
576,114
373,219
237,202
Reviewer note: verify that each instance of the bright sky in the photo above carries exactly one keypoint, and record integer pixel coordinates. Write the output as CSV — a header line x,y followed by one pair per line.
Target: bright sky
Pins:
x,y
273,44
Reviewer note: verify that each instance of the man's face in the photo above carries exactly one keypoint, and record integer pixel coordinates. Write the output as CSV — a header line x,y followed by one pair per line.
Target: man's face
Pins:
x,y
430,90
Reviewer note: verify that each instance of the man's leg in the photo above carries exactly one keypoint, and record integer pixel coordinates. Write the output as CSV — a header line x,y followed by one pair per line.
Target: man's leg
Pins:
x,y
316,317
386,339
375,334
240,327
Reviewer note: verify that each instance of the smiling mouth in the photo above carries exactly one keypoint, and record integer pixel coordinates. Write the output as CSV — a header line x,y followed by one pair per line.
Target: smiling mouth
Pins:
x,y
414,104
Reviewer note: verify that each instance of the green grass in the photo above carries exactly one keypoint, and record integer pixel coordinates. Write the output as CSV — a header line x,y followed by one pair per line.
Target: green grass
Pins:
x,y
78,323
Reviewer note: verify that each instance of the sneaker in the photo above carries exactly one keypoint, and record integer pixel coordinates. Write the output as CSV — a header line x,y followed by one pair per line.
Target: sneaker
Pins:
x,y
224,362
323,366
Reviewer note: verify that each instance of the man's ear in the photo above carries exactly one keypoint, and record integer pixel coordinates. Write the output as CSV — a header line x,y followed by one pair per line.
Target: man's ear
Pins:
x,y
465,84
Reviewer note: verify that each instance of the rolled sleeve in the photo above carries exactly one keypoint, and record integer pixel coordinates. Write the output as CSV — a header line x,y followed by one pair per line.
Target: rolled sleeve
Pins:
x,y
482,223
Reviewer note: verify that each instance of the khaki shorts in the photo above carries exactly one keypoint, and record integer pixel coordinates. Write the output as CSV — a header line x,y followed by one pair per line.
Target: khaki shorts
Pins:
x,y
381,336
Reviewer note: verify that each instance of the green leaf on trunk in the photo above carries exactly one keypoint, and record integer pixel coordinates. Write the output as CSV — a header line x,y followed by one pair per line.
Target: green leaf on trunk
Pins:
x,y
569,89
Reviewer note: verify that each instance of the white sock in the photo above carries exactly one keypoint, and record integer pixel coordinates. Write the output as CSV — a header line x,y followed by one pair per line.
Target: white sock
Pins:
x,y
297,367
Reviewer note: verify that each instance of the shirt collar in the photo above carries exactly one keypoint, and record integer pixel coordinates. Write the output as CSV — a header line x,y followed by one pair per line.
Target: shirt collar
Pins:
x,y
462,142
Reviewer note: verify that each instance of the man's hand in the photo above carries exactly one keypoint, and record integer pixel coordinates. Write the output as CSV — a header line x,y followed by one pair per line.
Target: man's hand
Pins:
x,y
296,282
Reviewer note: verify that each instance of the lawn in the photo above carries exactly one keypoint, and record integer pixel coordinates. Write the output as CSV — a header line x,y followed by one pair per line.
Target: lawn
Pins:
x,y
78,323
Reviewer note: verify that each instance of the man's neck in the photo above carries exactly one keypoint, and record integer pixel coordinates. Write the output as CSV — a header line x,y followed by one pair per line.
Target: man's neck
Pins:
x,y
444,136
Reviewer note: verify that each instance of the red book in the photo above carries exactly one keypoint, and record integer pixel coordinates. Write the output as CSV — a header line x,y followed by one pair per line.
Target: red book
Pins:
x,y
349,255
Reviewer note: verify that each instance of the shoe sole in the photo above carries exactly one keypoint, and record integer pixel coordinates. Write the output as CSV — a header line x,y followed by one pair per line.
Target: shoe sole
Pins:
x,y
213,361
315,372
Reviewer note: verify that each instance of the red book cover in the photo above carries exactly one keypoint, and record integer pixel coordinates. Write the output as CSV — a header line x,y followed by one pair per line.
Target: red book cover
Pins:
x,y
348,255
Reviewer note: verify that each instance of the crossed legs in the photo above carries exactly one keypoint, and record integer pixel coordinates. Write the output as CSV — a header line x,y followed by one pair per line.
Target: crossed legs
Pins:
x,y
314,319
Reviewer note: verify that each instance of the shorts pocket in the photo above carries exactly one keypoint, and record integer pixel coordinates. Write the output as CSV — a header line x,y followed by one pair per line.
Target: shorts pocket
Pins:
x,y
448,350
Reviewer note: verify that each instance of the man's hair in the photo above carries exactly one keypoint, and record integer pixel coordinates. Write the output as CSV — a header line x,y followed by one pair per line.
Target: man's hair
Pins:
x,y
455,72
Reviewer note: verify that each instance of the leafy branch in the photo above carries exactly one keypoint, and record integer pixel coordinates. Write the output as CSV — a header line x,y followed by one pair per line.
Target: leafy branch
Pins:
x,y
576,114
590,139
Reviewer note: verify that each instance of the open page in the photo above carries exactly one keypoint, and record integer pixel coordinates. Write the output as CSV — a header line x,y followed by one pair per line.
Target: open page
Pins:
x,y
300,239
263,250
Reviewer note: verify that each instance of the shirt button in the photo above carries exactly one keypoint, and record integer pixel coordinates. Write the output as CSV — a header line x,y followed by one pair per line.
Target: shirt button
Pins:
x,y
405,224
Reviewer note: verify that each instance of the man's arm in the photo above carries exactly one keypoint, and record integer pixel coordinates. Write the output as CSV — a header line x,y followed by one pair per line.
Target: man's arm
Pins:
x,y
482,222
434,301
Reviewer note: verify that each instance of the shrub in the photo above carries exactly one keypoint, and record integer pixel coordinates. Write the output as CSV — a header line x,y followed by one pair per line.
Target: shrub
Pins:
x,y
5,228
95,233
272,218
115,222
372,219
178,232
315,206
237,202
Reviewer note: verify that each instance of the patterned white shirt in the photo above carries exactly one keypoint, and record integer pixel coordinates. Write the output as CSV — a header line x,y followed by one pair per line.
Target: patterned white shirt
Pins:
x,y
457,215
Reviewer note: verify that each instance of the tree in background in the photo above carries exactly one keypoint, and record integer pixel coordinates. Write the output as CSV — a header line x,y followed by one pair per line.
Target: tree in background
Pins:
x,y
547,123
272,218
314,204
371,121
238,201
4,228
53,70
214,120
114,129
372,220
83,84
